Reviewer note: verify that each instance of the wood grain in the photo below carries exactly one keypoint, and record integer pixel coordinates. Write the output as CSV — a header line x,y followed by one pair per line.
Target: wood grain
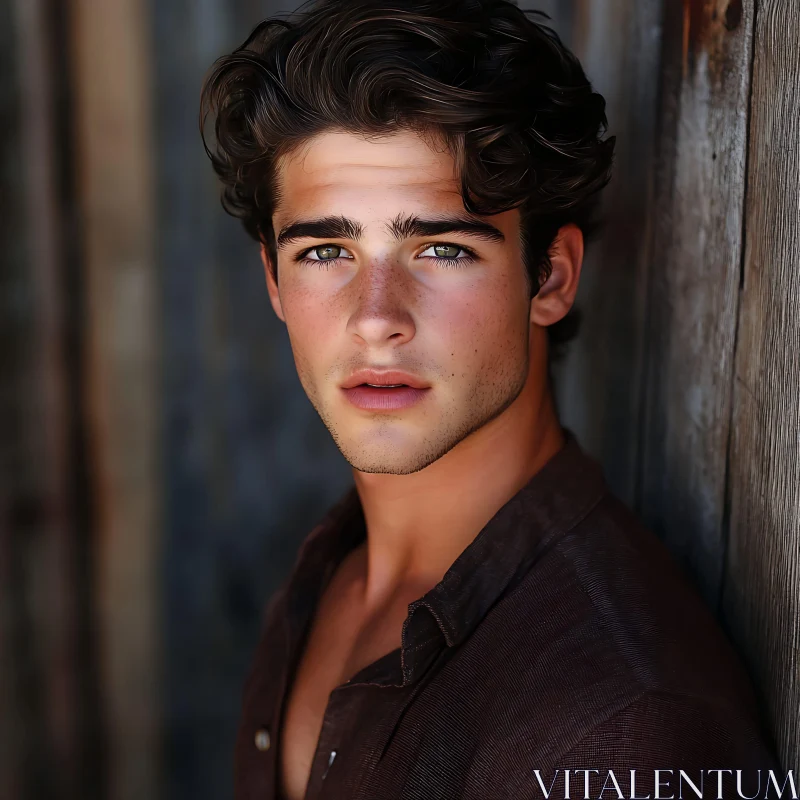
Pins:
x,y
761,600
42,712
694,280
114,151
598,385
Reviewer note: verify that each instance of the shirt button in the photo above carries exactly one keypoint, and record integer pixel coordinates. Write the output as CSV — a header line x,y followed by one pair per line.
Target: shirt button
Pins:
x,y
330,761
262,739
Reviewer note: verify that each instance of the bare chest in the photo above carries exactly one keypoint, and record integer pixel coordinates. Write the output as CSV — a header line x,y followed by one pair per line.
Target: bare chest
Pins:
x,y
318,674
341,642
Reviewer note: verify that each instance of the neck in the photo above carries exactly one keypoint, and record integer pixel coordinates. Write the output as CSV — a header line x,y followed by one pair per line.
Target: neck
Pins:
x,y
418,524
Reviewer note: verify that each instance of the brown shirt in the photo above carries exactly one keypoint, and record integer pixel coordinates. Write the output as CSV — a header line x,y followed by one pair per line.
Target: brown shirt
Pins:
x,y
564,637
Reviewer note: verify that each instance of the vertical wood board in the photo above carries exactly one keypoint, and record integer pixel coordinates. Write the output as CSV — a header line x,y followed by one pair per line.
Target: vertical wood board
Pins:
x,y
696,257
114,151
761,601
598,387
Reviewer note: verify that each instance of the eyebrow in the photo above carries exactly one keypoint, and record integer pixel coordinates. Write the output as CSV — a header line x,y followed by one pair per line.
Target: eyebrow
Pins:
x,y
401,227
324,228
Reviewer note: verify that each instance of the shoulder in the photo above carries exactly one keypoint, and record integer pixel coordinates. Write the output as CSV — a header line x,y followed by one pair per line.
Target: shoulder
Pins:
x,y
639,605
605,619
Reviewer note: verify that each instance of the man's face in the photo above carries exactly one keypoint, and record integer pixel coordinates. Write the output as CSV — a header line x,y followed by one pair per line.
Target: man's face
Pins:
x,y
450,308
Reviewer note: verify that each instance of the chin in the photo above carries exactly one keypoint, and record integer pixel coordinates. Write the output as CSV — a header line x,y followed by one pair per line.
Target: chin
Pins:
x,y
396,455
384,468
401,457
383,461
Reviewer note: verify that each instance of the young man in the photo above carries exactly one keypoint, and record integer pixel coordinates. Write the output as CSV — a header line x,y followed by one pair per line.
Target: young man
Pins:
x,y
479,613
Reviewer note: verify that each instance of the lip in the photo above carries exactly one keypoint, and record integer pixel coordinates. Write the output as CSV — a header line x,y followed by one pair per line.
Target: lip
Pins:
x,y
383,377
371,399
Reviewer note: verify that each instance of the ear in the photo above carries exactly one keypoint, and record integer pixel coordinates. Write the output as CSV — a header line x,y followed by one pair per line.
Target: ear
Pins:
x,y
272,286
557,294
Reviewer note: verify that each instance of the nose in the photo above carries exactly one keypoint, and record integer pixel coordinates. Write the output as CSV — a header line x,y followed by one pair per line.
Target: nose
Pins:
x,y
381,315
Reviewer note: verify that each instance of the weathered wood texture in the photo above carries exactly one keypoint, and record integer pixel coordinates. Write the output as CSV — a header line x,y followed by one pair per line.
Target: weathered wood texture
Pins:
x,y
598,384
761,599
694,280
114,154
27,530
661,290
47,709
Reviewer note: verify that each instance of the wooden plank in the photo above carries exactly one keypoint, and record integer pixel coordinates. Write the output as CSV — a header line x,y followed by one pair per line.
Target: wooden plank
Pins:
x,y
52,567
21,719
694,283
762,587
114,149
42,715
598,385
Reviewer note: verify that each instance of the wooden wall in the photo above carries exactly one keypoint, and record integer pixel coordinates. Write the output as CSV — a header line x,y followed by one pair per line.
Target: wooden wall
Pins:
x,y
161,462
686,379
600,384
761,597
109,45
51,738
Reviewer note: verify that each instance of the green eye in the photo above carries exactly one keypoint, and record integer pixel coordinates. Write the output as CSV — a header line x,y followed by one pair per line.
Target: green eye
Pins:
x,y
449,256
328,251
324,253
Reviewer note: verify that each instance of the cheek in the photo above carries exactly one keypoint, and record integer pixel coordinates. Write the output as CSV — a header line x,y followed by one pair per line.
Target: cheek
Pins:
x,y
482,327
300,303
310,321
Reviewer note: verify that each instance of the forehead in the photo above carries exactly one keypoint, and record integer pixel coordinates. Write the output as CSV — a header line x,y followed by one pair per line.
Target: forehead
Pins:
x,y
336,169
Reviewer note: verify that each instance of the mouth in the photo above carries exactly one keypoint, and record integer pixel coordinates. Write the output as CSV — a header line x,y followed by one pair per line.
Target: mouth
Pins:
x,y
383,378
384,397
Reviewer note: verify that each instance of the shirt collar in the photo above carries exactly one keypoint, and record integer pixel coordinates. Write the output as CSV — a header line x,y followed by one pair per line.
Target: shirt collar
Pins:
x,y
552,502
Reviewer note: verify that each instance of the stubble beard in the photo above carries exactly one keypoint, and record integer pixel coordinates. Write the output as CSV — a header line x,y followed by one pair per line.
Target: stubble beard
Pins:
x,y
486,399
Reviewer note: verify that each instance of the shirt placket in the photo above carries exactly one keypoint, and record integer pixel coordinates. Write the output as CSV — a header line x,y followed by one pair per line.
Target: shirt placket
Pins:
x,y
332,739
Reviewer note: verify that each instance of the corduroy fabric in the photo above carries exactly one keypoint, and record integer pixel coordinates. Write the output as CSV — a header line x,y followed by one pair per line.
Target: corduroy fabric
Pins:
x,y
563,637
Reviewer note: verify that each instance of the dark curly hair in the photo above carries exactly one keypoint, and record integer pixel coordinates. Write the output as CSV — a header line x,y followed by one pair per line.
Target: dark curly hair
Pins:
x,y
509,100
